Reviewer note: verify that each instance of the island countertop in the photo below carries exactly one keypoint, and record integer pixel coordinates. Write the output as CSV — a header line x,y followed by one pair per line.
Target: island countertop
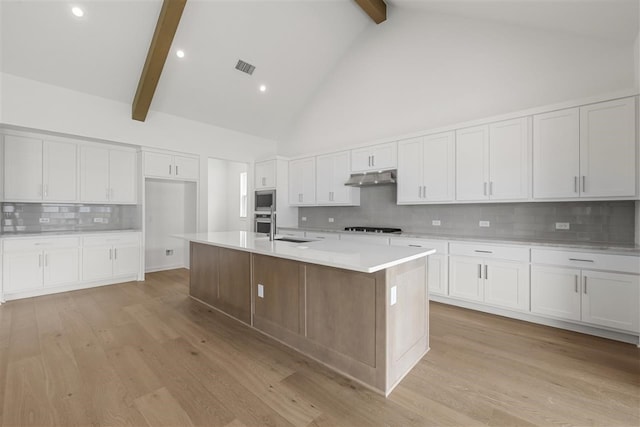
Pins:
x,y
347,255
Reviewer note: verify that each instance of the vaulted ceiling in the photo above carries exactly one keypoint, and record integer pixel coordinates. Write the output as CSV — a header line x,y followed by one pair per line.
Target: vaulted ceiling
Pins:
x,y
294,45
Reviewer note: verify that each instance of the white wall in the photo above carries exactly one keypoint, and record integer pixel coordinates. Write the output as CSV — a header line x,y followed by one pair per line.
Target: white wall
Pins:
x,y
420,71
217,210
35,105
170,209
234,222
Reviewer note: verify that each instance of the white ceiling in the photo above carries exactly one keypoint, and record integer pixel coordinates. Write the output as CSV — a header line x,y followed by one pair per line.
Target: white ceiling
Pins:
x,y
294,44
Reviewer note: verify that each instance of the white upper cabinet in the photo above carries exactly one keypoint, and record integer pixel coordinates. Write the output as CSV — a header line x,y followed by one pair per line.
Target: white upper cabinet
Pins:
x,y
265,175
36,170
509,148
374,158
165,165
586,152
492,161
472,163
108,175
608,149
426,169
302,181
332,171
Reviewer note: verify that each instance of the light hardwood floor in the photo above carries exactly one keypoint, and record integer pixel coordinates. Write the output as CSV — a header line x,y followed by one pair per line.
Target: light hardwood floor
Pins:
x,y
146,354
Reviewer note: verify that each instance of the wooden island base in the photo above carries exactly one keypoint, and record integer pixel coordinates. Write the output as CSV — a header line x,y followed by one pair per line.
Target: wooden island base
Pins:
x,y
341,318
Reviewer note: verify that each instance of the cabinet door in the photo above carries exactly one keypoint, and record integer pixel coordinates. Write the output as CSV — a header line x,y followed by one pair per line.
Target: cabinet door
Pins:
x,y
302,181
61,266
472,163
123,182
324,179
94,174
384,156
265,175
158,164
340,193
437,274
506,284
60,170
439,167
465,278
608,149
97,262
611,299
556,154
186,167
509,160
361,159
555,292
126,260
22,168
22,271
410,170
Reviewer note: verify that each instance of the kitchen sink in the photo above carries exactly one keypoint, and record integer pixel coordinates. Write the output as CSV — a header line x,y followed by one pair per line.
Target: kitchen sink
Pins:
x,y
293,240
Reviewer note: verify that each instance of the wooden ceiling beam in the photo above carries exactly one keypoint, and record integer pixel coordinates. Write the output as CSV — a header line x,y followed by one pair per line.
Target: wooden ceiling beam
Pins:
x,y
166,28
376,9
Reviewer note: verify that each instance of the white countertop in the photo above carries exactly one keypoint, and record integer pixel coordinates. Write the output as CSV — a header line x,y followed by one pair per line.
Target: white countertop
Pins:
x,y
613,249
348,255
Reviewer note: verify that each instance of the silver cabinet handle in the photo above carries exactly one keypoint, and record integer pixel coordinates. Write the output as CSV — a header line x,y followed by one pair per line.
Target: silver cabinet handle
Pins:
x,y
576,287
575,184
264,181
373,160
40,261
486,272
46,190
491,188
115,253
484,191
169,169
581,260
177,171
424,191
584,279
483,252
479,271
584,184
46,260
416,246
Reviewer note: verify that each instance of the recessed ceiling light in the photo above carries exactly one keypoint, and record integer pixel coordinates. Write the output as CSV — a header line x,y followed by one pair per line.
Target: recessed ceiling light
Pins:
x,y
263,88
77,11
180,53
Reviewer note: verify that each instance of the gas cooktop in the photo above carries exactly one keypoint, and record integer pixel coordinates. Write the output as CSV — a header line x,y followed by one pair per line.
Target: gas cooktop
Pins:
x,y
374,229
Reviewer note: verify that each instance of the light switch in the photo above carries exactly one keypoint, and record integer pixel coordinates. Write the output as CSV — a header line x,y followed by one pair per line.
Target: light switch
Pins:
x,y
260,290
436,222
394,295
562,226
330,219
484,223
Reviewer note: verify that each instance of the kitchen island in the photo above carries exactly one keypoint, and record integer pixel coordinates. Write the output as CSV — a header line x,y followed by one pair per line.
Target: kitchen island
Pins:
x,y
359,309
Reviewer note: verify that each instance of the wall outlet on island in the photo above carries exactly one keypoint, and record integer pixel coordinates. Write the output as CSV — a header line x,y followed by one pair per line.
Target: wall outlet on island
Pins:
x,y
330,219
562,226
436,223
260,290
484,224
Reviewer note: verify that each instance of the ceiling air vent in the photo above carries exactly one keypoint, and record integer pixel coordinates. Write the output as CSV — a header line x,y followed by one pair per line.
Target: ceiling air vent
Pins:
x,y
245,67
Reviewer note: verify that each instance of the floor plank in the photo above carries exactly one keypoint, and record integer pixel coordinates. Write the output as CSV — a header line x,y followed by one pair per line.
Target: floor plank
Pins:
x,y
144,353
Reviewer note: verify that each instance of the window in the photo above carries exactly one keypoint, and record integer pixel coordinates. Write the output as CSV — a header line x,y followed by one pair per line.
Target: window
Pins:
x,y
243,194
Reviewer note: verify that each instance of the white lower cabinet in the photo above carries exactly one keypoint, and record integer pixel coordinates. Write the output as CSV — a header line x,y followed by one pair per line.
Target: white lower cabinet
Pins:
x,y
437,264
595,297
108,256
30,264
494,275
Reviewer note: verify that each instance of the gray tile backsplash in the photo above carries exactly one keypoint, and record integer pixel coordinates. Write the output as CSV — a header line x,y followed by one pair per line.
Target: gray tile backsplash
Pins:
x,y
18,218
606,222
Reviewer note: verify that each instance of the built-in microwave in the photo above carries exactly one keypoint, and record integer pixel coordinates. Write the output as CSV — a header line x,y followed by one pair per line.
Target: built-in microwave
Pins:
x,y
265,199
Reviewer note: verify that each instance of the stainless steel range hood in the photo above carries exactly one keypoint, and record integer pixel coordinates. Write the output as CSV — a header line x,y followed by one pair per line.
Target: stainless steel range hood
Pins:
x,y
372,178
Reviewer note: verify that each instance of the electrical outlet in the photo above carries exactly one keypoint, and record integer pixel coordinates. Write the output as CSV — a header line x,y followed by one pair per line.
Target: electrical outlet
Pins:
x,y
330,219
44,220
168,252
394,295
484,224
304,218
97,220
260,290
436,223
562,226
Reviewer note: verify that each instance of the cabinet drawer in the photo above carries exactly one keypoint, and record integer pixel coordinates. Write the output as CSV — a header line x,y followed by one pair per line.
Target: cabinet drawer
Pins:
x,y
441,246
27,244
594,261
321,236
112,239
513,253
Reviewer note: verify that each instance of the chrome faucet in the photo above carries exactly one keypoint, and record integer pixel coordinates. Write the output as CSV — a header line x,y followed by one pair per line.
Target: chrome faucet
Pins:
x,y
272,226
